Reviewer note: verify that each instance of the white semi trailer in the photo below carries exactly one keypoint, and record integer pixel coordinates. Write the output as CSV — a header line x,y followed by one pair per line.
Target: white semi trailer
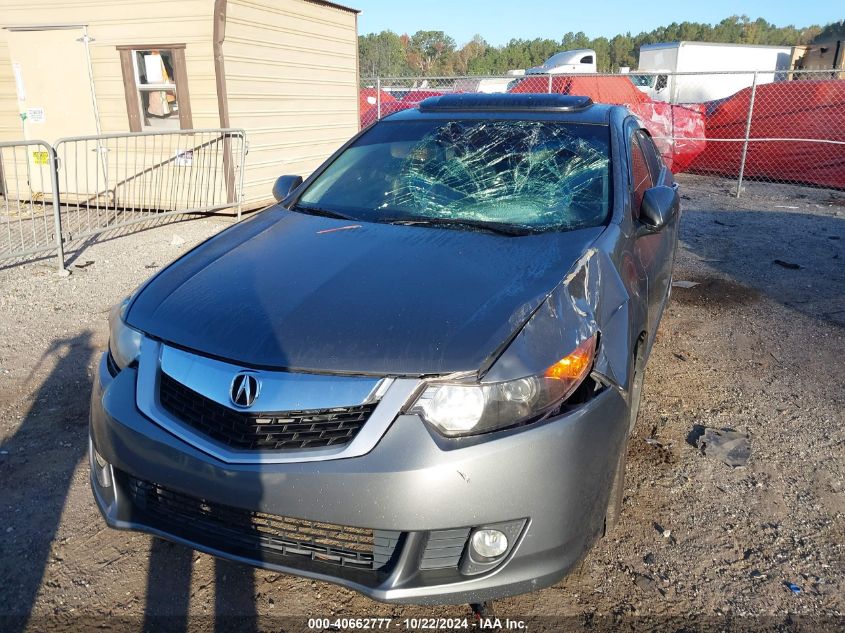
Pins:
x,y
581,60
659,61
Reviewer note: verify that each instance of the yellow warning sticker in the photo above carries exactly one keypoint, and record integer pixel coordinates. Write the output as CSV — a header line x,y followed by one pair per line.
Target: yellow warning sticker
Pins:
x,y
40,158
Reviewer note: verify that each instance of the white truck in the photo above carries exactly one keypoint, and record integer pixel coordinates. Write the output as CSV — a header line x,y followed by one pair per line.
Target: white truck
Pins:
x,y
658,61
581,60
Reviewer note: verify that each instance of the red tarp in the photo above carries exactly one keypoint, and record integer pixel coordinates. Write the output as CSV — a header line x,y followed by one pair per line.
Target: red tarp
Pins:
x,y
788,109
662,120
683,123
368,103
413,97
616,90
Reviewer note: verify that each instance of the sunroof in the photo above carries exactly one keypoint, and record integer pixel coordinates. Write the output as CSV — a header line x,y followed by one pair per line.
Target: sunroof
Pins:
x,y
506,103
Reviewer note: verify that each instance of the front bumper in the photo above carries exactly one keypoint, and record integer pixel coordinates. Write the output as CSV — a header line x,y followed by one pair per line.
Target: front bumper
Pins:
x,y
556,475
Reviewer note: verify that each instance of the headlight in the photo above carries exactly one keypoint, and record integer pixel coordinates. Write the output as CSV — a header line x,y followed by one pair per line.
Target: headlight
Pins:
x,y
457,409
124,342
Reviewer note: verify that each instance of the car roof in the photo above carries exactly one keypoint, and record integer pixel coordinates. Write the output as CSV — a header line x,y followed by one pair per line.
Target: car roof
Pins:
x,y
571,108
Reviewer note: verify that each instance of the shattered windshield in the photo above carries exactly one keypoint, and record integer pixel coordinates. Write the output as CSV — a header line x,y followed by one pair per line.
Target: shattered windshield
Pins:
x,y
532,175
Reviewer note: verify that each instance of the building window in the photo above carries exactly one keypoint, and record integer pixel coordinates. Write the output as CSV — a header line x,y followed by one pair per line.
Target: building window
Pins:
x,y
156,87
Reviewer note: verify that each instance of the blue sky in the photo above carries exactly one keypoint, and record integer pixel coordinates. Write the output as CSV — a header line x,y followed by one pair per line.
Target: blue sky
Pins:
x,y
500,20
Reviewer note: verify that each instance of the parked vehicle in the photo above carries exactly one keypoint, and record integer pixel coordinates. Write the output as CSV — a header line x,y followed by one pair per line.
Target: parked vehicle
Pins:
x,y
416,375
657,61
582,60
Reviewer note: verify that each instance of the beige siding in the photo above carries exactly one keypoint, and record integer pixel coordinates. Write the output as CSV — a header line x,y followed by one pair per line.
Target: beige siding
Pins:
x,y
291,79
291,72
10,123
113,23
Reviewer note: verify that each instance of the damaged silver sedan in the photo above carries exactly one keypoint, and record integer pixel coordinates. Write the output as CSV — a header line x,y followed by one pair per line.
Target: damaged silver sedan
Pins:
x,y
416,375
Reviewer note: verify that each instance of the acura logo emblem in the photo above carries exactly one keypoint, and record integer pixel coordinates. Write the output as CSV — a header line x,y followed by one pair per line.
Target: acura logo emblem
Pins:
x,y
244,389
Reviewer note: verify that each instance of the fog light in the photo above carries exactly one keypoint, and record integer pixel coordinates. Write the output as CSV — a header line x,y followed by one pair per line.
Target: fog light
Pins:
x,y
102,469
489,543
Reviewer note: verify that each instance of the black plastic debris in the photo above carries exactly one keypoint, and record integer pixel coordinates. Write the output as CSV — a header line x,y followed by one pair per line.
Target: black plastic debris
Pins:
x,y
730,447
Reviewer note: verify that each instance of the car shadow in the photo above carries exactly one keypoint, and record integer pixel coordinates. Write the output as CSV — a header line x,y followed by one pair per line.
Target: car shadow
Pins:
x,y
793,258
38,463
40,459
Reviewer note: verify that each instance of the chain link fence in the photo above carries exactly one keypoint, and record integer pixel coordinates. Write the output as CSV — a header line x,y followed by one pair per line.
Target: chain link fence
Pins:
x,y
776,127
56,195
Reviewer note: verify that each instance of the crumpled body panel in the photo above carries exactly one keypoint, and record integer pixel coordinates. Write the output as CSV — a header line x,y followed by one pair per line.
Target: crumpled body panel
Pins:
x,y
591,299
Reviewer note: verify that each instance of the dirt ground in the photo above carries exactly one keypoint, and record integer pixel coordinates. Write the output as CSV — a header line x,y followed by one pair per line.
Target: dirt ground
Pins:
x,y
756,346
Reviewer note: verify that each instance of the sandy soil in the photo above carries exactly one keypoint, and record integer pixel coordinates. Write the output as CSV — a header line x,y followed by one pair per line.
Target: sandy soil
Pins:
x,y
755,346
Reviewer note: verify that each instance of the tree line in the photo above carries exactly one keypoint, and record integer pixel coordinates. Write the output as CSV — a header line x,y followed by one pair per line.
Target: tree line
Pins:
x,y
436,53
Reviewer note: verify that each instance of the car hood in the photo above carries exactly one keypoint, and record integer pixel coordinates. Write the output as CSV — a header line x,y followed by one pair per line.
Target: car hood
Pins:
x,y
287,290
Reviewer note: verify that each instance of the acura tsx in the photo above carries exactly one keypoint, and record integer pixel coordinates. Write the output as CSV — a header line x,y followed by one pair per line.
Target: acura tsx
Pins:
x,y
417,373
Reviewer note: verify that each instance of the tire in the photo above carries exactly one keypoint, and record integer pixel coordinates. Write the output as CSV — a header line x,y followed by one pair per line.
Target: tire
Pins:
x,y
617,491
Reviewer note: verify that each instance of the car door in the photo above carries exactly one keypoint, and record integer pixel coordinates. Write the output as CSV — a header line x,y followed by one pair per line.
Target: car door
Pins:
x,y
654,250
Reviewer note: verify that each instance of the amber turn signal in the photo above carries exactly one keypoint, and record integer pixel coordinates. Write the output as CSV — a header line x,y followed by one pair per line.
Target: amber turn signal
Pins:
x,y
575,365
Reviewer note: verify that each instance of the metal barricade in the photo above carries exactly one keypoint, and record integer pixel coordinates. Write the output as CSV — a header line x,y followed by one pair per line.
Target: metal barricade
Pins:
x,y
50,197
108,181
29,201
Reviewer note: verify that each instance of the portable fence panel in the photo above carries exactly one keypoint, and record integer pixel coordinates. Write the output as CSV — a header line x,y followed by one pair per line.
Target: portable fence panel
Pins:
x,y
769,126
28,211
113,180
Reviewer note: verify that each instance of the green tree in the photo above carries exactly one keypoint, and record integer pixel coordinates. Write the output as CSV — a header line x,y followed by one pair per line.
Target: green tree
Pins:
x,y
622,52
382,54
430,51
470,51
833,31
602,47
434,52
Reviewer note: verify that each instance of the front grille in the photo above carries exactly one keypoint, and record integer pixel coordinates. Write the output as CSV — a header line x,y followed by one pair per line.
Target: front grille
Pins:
x,y
261,536
290,430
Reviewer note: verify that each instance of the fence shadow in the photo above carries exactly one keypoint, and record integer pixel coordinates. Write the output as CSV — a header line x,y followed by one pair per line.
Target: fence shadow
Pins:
x,y
169,591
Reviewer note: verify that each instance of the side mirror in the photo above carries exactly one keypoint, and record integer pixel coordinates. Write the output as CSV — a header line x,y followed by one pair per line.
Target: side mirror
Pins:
x,y
284,185
658,206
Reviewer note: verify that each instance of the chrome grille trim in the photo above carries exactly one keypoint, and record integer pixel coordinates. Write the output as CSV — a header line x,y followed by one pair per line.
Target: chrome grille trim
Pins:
x,y
394,393
280,390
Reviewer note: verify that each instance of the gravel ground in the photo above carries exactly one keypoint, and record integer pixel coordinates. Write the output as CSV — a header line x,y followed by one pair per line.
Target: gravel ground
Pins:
x,y
756,346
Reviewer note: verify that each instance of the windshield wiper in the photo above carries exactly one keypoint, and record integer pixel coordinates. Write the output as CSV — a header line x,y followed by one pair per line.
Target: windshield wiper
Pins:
x,y
494,227
328,213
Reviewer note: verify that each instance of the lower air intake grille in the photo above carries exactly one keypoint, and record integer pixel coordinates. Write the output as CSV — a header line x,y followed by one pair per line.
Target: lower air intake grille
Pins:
x,y
262,536
444,549
290,430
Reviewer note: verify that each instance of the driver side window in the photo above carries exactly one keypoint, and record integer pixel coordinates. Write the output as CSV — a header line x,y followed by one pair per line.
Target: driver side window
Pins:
x,y
640,174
